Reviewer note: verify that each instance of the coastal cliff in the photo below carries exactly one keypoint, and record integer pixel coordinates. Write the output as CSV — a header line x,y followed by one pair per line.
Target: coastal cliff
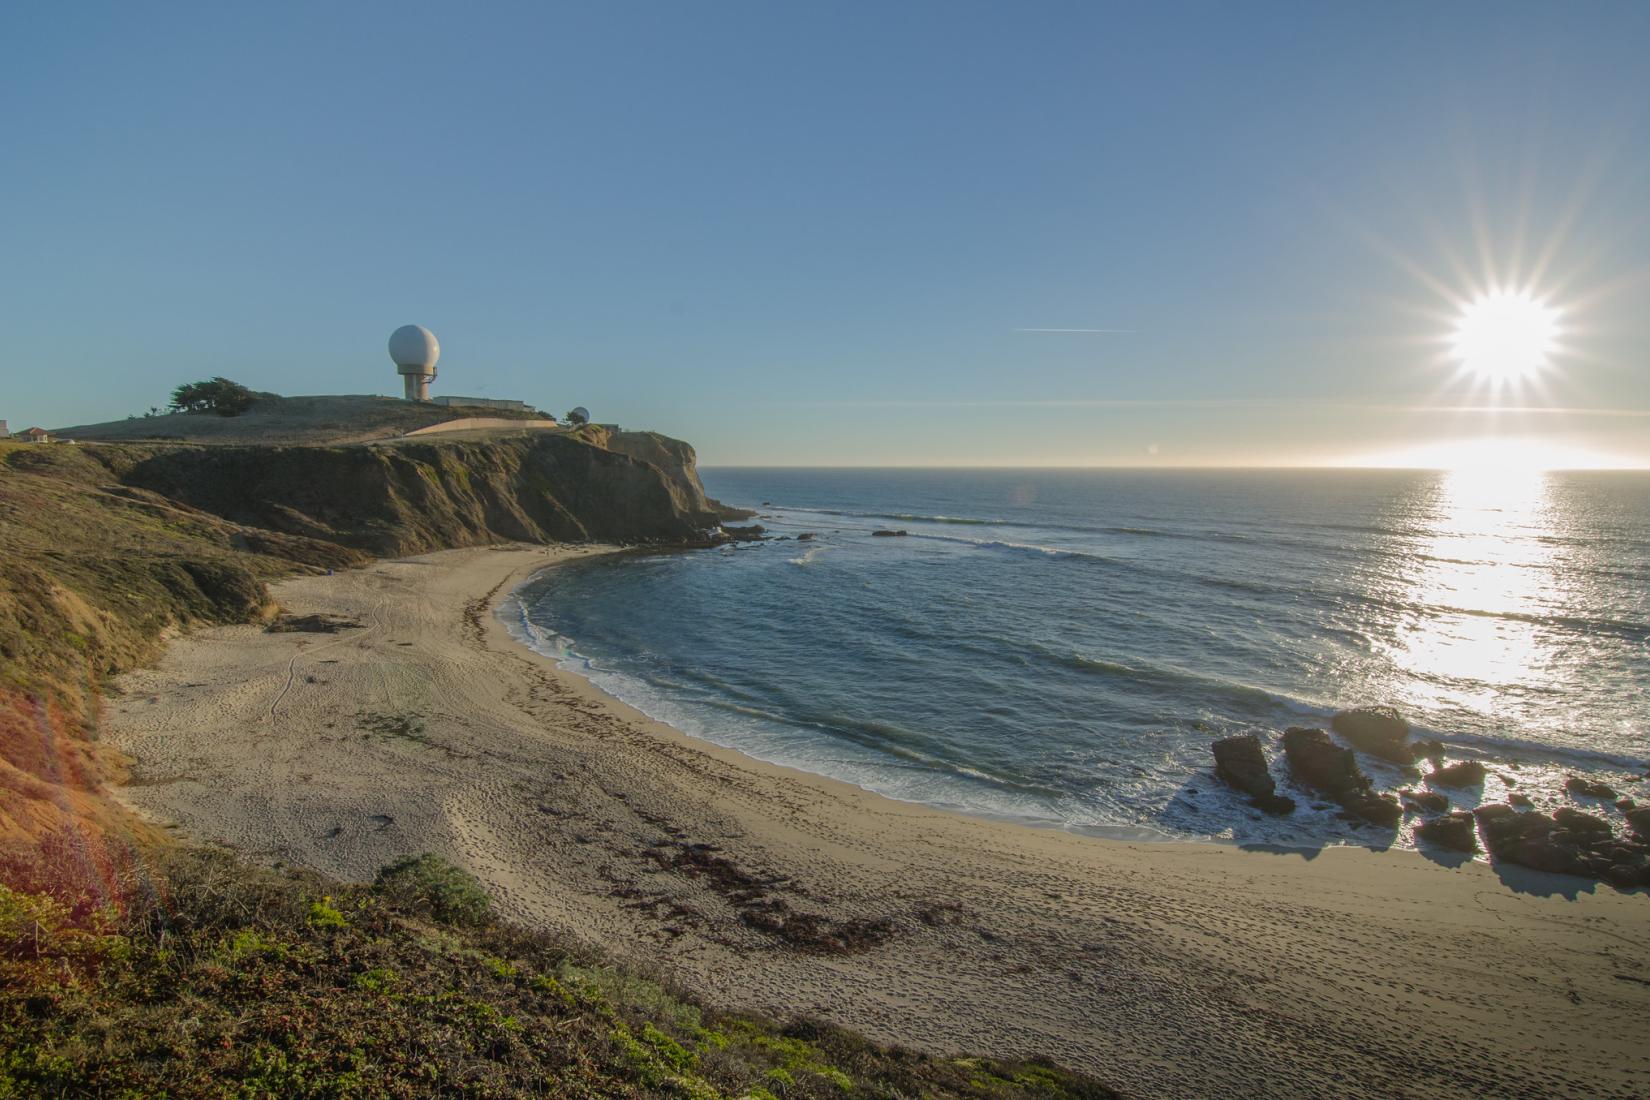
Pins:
x,y
409,496
107,549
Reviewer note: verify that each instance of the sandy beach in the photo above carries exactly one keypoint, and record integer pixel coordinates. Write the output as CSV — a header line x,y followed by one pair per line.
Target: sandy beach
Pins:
x,y
1166,969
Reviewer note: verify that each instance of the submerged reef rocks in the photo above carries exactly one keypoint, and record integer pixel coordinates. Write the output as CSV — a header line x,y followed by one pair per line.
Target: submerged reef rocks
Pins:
x,y
1568,840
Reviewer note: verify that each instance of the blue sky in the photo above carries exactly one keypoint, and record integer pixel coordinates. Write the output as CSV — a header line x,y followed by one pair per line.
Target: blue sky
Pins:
x,y
814,234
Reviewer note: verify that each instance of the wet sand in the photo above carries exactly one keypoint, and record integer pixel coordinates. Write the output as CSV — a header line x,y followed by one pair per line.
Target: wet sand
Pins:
x,y
1168,969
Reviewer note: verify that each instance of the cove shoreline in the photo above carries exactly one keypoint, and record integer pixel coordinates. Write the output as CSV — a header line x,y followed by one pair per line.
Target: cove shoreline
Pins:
x,y
1185,969
563,663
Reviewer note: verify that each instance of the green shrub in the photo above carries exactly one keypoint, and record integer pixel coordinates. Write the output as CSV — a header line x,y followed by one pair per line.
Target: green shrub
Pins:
x,y
323,914
430,885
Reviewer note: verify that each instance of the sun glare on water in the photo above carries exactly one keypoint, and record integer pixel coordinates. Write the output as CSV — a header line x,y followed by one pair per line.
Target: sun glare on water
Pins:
x,y
1505,336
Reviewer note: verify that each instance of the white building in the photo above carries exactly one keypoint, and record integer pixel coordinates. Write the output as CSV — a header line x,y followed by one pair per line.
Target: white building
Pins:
x,y
484,402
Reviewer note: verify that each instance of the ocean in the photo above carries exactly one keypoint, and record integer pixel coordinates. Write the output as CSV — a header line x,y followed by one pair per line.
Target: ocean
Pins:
x,y
1060,647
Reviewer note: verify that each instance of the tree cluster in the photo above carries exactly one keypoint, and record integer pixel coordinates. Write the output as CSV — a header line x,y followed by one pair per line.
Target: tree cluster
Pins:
x,y
215,395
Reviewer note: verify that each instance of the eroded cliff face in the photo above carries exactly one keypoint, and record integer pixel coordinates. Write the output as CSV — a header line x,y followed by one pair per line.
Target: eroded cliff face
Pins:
x,y
672,457
411,496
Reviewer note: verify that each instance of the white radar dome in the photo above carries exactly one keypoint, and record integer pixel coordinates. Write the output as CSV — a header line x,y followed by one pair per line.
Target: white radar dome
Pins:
x,y
414,346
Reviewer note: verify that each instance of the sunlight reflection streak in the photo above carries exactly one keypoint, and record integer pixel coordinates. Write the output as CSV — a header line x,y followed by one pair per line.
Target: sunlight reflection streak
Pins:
x,y
1484,584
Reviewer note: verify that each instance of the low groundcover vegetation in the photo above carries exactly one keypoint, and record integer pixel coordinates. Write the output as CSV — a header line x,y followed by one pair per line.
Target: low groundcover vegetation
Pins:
x,y
223,980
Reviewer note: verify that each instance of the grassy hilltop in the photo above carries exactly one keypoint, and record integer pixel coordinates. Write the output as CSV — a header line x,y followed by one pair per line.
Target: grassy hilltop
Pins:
x,y
276,419
131,966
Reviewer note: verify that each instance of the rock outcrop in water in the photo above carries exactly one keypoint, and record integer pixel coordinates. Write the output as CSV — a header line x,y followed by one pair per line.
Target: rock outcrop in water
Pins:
x,y
1576,785
1458,832
1320,763
1379,731
1430,801
1569,842
1466,773
1241,764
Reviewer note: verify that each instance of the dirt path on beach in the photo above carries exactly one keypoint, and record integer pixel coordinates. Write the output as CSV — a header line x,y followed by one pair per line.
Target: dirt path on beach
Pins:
x,y
1168,970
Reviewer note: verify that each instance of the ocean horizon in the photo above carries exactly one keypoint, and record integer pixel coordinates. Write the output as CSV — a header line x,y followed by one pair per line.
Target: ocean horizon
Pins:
x,y
1060,646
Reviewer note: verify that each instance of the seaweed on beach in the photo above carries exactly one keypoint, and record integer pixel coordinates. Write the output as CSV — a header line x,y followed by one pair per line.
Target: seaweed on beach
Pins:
x,y
753,898
311,624
815,933
399,725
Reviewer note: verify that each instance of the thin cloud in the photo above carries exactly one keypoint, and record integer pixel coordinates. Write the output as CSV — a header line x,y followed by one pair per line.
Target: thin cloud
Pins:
x,y
1234,403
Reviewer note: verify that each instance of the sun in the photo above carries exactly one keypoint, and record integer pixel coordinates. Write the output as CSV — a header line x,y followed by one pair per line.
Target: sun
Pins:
x,y
1505,336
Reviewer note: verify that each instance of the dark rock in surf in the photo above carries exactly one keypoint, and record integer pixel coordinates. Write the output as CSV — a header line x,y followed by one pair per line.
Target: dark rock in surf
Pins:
x,y
1502,824
1428,750
885,533
1319,762
1526,839
1458,832
1517,799
1569,842
1378,809
1638,820
1379,731
1467,773
753,533
1430,801
1625,804
1241,764
727,511
1576,785
1581,824
1627,874
806,536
